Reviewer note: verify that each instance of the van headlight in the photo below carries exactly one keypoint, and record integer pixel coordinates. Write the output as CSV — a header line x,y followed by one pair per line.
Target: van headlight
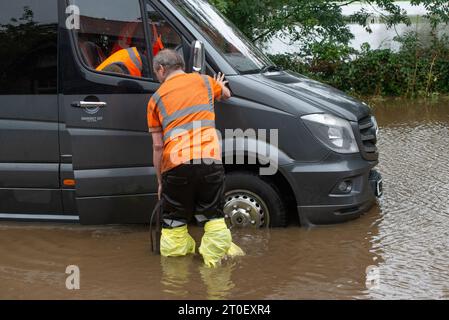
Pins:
x,y
335,133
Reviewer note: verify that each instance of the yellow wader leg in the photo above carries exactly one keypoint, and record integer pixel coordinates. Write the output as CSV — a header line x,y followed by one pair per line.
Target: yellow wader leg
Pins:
x,y
176,242
217,243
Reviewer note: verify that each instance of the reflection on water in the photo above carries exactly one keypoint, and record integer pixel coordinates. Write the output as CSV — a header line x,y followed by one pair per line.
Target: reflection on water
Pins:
x,y
218,281
175,275
403,243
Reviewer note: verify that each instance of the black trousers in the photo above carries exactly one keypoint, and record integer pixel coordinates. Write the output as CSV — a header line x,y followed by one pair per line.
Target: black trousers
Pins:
x,y
193,189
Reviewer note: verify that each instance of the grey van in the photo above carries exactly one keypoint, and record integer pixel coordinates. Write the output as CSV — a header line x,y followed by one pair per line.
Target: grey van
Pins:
x,y
74,142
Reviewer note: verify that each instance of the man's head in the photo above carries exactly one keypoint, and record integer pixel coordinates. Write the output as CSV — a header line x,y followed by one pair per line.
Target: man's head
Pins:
x,y
166,62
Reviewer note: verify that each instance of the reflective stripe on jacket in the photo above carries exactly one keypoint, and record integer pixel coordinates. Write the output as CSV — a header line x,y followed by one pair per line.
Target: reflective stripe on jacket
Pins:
x,y
171,131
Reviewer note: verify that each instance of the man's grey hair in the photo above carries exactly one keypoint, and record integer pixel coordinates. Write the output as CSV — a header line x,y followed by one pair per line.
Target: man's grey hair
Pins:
x,y
169,59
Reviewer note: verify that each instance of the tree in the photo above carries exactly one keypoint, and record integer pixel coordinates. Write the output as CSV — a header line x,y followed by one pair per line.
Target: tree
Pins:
x,y
312,21
438,10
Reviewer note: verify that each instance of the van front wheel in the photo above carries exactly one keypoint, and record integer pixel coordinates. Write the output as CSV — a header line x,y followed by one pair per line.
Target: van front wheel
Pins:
x,y
251,202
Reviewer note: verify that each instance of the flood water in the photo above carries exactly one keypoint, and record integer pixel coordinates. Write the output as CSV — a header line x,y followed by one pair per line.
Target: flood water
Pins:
x,y
404,241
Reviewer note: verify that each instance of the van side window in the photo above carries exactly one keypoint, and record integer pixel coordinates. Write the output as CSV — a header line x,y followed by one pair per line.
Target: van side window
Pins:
x,y
163,35
111,37
28,47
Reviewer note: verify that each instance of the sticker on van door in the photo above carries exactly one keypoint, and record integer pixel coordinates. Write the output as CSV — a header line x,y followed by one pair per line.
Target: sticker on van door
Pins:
x,y
91,119
91,111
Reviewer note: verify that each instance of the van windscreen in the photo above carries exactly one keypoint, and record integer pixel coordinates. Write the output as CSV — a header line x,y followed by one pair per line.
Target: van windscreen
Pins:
x,y
244,56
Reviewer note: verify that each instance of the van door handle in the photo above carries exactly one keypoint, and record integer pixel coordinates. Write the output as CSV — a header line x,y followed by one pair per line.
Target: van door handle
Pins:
x,y
89,104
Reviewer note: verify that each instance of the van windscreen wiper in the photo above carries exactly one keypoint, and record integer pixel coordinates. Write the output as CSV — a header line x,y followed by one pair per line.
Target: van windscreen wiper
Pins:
x,y
270,68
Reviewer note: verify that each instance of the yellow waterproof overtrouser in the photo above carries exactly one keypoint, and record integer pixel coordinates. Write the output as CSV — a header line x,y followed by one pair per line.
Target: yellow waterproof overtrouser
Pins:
x,y
176,242
217,243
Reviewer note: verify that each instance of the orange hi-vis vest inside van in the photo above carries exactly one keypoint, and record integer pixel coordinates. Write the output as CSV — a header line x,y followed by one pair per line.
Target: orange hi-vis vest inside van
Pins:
x,y
184,108
126,59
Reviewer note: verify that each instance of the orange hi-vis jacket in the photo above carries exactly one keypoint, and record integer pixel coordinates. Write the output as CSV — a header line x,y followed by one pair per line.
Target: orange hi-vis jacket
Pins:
x,y
184,108
128,60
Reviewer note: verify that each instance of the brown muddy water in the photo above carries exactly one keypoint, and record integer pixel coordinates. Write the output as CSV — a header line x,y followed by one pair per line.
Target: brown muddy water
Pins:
x,y
405,238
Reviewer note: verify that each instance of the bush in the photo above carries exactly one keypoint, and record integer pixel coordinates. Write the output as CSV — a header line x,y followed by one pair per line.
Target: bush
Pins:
x,y
417,69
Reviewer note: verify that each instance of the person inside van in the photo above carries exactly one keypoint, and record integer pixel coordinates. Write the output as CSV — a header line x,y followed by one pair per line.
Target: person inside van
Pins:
x,y
187,159
125,38
128,61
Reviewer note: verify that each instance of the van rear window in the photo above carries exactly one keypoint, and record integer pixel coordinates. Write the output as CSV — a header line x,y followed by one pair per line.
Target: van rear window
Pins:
x,y
28,50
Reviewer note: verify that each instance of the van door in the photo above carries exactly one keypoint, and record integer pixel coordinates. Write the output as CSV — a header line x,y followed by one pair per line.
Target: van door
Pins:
x,y
106,137
29,148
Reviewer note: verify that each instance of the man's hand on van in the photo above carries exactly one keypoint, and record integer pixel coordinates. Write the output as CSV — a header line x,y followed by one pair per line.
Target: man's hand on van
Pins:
x,y
220,78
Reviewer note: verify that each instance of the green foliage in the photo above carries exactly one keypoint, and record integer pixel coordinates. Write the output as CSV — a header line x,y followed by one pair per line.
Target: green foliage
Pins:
x,y
313,21
324,52
417,69
438,10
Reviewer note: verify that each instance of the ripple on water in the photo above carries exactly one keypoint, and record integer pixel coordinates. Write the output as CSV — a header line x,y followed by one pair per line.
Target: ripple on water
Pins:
x,y
413,234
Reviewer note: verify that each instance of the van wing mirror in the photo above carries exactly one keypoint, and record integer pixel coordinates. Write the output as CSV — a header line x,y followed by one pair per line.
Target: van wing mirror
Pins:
x,y
198,56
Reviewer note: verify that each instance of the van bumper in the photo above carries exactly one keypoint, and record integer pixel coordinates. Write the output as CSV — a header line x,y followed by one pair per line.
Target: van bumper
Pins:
x,y
318,188
323,215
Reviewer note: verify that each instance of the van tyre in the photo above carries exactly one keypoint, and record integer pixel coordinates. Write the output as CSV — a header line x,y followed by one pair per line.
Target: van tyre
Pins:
x,y
251,201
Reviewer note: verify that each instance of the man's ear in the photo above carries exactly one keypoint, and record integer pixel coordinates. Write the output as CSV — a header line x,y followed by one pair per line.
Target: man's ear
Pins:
x,y
163,70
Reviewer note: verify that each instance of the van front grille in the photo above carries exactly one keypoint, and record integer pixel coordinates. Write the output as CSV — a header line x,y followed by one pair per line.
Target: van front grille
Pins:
x,y
368,138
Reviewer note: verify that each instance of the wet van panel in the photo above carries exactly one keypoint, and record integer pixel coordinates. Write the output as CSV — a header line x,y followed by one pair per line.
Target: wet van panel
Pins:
x,y
104,135
110,156
29,147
